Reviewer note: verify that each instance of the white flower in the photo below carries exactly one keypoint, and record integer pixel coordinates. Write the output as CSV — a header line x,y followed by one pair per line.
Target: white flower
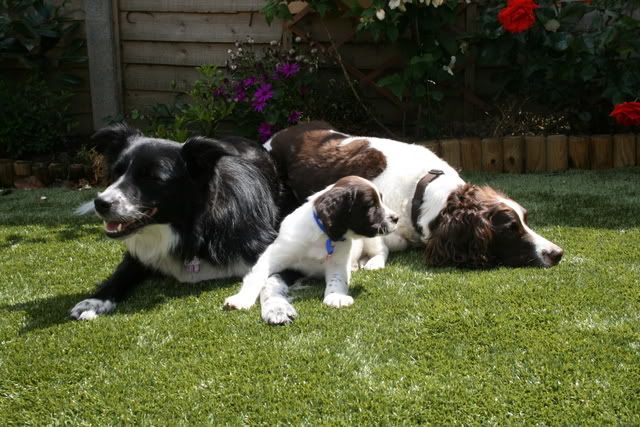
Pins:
x,y
463,47
552,25
437,3
449,68
273,42
298,39
394,4
380,14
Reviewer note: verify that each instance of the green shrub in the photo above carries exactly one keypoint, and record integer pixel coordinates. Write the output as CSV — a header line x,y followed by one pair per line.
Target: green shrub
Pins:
x,y
35,119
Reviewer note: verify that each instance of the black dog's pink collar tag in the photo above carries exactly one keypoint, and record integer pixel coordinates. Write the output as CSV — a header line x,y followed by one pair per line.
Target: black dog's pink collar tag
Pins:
x,y
192,266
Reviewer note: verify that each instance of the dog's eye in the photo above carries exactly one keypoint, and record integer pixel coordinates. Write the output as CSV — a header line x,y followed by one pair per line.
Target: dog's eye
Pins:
x,y
119,169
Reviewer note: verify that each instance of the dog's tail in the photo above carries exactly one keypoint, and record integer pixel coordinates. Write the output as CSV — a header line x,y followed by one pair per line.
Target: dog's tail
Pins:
x,y
85,208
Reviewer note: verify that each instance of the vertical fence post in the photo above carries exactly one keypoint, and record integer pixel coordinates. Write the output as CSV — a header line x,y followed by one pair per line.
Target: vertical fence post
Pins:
x,y
624,150
492,155
450,149
601,151
104,72
557,153
513,151
471,154
579,152
536,153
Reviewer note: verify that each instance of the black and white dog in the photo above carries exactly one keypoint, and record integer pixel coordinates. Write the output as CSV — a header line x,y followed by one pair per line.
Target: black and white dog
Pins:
x,y
202,210
316,241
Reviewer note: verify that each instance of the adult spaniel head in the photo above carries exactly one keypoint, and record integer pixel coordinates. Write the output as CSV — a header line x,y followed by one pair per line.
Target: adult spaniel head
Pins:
x,y
482,228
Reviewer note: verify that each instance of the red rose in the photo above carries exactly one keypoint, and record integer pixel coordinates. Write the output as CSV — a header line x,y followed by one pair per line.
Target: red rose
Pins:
x,y
518,16
627,113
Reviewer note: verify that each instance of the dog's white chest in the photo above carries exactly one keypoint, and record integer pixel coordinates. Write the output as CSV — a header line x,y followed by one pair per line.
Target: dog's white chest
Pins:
x,y
154,245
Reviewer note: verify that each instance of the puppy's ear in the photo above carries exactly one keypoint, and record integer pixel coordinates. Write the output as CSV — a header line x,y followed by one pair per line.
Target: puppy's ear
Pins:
x,y
112,140
201,154
334,208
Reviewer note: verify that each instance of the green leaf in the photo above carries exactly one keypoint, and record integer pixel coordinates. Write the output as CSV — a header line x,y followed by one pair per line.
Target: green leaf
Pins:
x,y
395,83
436,95
588,72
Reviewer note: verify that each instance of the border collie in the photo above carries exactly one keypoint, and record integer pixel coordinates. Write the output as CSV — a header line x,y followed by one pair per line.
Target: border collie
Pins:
x,y
460,224
202,210
316,240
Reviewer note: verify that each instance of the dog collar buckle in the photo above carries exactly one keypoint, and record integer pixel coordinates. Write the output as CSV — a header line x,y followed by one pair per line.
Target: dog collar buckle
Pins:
x,y
192,266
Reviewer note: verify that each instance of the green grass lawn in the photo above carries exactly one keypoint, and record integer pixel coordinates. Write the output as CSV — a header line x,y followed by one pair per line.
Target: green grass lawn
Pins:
x,y
557,346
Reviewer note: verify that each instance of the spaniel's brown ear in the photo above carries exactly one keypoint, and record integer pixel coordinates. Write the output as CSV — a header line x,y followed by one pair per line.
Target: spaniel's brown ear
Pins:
x,y
333,208
460,240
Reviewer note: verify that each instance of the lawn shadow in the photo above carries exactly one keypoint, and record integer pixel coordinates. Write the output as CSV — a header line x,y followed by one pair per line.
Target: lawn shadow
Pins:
x,y
51,311
309,288
69,232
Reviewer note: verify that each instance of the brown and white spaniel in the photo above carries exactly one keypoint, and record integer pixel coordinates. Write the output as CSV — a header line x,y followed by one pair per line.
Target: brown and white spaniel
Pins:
x,y
459,224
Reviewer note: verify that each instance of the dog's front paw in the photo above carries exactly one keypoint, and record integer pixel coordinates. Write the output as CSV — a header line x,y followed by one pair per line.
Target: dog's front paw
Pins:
x,y
338,300
375,263
278,311
91,308
238,302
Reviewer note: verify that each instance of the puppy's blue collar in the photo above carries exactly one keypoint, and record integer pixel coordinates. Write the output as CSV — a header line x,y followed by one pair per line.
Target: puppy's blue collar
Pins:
x,y
328,244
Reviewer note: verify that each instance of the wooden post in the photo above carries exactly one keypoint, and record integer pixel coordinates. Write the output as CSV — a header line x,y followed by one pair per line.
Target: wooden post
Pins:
x,y
579,152
6,173
471,154
624,150
536,153
601,151
433,145
492,157
451,152
22,168
557,153
513,151
104,69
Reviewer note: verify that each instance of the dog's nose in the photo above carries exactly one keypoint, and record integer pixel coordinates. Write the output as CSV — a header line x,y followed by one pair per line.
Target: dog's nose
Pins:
x,y
553,255
102,206
394,218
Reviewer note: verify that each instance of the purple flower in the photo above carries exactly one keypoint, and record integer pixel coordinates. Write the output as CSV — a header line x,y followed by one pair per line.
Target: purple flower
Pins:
x,y
294,117
262,95
219,91
241,94
288,69
249,81
265,131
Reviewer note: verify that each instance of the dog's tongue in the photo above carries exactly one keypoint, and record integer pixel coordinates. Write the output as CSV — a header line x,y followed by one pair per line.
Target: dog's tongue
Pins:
x,y
111,226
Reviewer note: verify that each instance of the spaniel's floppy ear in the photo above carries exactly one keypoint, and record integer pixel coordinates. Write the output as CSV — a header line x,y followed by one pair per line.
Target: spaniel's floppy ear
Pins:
x,y
112,140
201,154
333,208
460,239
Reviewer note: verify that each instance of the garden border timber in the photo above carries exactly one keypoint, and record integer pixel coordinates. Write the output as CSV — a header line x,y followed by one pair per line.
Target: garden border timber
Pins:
x,y
538,153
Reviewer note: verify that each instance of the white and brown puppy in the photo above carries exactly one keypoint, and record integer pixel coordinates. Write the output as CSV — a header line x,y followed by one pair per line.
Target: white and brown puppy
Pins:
x,y
316,240
460,224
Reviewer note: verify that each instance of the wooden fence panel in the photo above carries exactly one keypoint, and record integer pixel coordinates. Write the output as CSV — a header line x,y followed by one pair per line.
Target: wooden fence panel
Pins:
x,y
197,27
200,6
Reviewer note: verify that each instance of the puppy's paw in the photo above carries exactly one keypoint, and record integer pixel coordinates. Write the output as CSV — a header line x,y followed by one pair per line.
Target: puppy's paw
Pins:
x,y
278,311
238,302
338,300
375,263
91,308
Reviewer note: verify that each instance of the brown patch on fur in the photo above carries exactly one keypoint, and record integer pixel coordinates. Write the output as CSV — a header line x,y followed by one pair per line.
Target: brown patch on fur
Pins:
x,y
309,157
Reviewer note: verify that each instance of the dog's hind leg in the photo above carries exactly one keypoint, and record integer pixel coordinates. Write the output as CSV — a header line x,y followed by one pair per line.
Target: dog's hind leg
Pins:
x,y
129,273
276,309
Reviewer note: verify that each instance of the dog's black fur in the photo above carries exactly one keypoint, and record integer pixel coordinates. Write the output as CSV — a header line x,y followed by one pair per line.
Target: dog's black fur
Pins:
x,y
218,196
